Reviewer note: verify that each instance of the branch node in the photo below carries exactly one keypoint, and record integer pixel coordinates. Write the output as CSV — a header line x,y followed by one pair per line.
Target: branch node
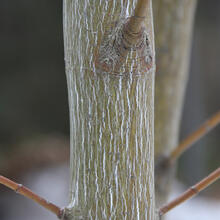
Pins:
x,y
121,41
194,190
19,186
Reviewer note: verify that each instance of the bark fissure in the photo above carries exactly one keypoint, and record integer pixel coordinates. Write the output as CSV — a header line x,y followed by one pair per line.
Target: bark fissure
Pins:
x,y
112,164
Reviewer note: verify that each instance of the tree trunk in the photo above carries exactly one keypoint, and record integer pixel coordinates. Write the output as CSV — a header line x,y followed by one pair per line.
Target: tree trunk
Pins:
x,y
111,116
173,30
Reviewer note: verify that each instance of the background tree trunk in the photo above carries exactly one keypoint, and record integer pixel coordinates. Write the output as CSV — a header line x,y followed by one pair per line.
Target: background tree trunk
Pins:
x,y
111,118
173,30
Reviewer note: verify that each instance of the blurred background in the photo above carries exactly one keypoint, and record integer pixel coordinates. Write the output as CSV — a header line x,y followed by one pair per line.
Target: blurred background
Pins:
x,y
34,115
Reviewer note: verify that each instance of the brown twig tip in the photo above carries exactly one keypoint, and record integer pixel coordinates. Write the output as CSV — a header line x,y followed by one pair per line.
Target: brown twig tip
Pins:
x,y
192,191
195,136
141,8
121,38
140,14
19,188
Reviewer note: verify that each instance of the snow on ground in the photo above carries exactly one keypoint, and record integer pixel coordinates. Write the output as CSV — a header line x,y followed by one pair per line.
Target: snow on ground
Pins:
x,y
52,183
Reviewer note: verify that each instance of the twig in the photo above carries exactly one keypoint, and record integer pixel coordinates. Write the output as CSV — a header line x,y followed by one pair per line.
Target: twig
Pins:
x,y
140,13
134,27
123,37
141,8
192,191
195,136
18,188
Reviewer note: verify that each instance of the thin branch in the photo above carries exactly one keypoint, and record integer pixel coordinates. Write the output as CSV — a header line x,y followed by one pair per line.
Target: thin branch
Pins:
x,y
195,136
134,27
121,38
140,13
18,188
192,191
141,8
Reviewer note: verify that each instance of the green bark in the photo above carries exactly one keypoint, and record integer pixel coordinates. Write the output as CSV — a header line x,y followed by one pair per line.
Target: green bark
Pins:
x,y
111,118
